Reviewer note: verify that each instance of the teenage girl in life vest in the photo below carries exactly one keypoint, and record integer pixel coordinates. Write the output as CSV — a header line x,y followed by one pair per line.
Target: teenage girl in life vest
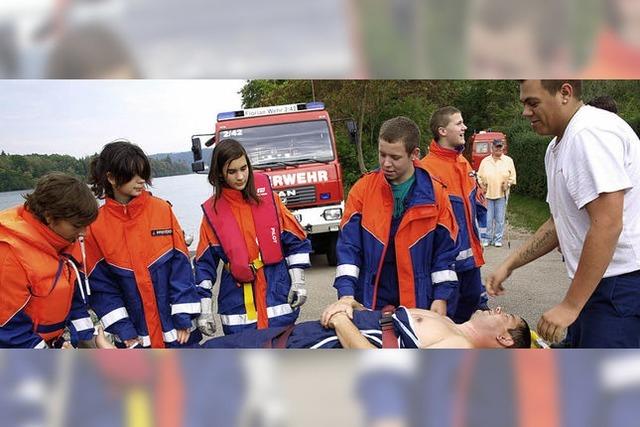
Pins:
x,y
262,246
142,285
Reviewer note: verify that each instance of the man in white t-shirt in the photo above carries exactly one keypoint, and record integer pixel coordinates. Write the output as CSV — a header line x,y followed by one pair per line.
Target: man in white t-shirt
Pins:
x,y
593,182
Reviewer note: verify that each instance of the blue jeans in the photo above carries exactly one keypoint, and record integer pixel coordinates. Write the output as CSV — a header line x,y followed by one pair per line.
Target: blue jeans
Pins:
x,y
611,317
496,209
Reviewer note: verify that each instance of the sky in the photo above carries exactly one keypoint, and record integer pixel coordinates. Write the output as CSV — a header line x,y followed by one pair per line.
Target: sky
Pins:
x,y
78,117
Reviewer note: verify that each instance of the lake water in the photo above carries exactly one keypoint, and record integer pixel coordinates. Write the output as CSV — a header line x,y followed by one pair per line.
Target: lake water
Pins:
x,y
185,192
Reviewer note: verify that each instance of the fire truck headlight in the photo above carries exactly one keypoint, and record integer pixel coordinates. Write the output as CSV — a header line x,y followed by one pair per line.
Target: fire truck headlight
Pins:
x,y
332,214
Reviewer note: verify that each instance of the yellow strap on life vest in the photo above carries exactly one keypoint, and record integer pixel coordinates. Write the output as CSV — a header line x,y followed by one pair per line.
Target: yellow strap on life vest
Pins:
x,y
257,263
249,304
138,409
247,288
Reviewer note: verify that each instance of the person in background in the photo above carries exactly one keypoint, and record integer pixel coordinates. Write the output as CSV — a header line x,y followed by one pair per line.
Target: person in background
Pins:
x,y
496,175
604,102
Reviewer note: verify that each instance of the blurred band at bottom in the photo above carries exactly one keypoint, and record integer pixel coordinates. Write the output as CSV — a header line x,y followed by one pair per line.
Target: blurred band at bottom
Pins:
x,y
317,388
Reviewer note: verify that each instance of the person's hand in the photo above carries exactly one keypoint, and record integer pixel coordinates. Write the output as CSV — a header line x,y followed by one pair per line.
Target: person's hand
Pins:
x,y
297,293
439,306
505,186
345,305
495,279
554,322
339,316
206,322
66,345
183,336
102,341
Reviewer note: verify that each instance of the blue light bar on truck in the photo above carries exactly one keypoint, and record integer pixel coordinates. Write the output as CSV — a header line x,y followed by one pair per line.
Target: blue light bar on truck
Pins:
x,y
267,111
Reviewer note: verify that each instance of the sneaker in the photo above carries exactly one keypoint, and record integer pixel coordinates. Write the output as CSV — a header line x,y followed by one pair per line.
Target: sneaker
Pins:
x,y
485,243
498,244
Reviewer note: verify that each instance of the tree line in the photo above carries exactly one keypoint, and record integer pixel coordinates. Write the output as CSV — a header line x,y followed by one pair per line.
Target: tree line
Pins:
x,y
20,172
485,104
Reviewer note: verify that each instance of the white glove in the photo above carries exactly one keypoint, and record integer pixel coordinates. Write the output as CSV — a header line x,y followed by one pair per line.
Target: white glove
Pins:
x,y
206,322
297,293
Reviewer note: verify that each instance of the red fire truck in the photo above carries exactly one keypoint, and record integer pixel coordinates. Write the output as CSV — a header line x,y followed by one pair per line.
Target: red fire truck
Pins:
x,y
295,146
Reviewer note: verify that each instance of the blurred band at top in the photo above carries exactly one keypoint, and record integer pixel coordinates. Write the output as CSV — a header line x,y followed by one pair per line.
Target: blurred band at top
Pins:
x,y
327,39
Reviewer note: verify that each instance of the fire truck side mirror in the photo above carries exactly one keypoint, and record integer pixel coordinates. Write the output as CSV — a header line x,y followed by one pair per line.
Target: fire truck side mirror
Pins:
x,y
196,148
198,165
352,128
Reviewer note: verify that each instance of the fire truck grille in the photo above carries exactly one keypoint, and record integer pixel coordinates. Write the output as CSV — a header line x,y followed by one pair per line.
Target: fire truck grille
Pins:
x,y
298,196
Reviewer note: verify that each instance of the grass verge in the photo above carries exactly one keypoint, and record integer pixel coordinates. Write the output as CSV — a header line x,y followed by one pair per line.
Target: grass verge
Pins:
x,y
526,212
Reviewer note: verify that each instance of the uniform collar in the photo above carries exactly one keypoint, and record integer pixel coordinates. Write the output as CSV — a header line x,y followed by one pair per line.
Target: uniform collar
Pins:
x,y
131,209
232,196
445,153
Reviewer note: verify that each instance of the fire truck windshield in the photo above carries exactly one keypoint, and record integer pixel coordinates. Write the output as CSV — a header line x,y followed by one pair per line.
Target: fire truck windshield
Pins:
x,y
286,143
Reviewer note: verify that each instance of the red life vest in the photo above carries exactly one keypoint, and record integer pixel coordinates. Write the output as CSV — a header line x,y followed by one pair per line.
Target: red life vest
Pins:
x,y
267,225
49,280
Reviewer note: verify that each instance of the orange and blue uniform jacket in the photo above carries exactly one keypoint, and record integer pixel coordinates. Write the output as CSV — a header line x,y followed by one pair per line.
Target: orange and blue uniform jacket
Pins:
x,y
39,296
141,278
451,168
272,283
424,242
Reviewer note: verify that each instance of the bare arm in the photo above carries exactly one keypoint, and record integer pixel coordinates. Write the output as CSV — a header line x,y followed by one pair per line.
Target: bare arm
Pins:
x,y
348,335
600,243
541,243
605,213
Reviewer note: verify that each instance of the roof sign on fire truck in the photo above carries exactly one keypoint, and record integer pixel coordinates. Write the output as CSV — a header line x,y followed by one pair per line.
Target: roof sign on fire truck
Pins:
x,y
266,111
